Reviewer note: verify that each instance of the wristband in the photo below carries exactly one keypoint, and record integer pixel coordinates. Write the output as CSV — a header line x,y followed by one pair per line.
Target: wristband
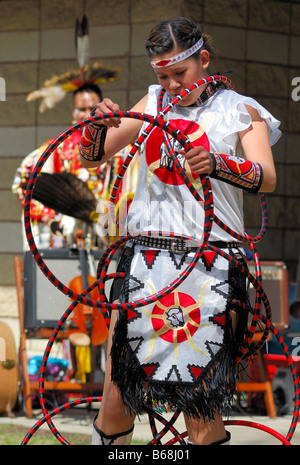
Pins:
x,y
237,171
92,142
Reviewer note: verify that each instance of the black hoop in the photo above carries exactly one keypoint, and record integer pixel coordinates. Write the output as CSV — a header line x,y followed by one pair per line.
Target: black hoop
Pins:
x,y
102,276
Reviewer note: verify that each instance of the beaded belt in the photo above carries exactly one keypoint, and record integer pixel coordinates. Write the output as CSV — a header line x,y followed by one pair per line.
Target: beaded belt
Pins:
x,y
178,245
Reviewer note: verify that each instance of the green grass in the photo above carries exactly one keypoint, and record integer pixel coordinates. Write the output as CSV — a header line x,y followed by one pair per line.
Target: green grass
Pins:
x,y
13,435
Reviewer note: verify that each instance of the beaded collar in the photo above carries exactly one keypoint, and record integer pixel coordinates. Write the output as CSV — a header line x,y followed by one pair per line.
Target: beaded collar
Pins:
x,y
208,92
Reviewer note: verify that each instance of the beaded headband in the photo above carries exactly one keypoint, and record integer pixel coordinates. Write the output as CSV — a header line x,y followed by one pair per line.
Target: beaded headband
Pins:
x,y
181,56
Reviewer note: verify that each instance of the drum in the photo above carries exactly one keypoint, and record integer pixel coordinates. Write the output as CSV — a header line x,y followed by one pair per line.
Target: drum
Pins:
x,y
8,370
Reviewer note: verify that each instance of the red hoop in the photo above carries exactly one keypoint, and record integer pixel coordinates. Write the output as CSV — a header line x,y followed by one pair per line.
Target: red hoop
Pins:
x,y
103,263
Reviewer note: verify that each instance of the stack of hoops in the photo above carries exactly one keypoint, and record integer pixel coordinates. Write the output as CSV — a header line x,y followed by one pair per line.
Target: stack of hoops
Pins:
x,y
104,306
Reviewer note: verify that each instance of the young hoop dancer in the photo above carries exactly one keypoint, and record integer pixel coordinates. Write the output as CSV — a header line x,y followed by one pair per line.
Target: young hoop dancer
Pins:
x,y
180,351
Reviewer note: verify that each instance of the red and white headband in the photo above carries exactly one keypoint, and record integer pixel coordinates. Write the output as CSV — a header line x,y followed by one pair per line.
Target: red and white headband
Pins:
x,y
181,56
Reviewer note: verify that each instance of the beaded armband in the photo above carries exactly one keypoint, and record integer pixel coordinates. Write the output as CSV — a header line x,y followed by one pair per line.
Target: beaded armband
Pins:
x,y
237,171
92,142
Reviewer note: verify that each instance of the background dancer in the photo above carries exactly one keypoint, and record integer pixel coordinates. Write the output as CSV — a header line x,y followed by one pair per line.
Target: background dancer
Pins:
x,y
51,228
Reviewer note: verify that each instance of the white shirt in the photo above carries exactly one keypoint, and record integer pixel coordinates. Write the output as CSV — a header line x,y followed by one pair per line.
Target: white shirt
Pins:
x,y
162,202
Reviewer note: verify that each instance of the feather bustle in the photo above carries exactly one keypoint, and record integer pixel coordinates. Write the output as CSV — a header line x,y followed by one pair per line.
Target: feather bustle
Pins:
x,y
66,194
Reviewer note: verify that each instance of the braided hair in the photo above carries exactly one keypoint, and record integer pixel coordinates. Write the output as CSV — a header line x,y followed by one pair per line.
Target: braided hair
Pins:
x,y
179,31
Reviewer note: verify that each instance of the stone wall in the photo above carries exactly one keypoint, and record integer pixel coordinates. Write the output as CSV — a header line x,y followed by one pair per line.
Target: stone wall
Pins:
x,y
259,39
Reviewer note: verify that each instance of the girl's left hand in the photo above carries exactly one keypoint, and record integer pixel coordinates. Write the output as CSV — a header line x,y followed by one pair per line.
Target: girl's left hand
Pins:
x,y
199,159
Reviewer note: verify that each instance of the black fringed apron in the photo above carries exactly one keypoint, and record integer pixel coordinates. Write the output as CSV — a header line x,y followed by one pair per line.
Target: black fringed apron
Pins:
x,y
181,349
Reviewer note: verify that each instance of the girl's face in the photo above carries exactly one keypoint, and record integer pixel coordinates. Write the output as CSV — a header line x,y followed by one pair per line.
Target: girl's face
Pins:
x,y
176,78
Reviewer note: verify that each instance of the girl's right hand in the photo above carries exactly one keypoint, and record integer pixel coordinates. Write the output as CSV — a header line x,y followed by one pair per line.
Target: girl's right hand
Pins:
x,y
107,106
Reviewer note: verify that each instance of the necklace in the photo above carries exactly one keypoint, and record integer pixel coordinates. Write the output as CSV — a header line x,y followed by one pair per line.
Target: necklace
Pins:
x,y
208,92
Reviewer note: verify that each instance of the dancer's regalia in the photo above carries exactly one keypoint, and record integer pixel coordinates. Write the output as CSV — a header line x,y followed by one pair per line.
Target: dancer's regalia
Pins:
x,y
181,349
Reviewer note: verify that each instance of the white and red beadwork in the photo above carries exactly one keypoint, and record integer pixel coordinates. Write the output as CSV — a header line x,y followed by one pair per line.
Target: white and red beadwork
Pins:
x,y
179,57
237,171
90,143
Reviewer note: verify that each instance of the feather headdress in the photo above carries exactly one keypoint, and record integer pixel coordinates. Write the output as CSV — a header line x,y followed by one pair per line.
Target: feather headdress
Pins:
x,y
55,89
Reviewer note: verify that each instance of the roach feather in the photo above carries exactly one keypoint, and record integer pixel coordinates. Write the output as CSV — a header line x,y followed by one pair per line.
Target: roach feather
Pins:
x,y
82,41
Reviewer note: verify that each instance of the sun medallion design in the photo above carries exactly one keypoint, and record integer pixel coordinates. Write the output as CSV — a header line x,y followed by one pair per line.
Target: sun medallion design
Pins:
x,y
158,159
175,318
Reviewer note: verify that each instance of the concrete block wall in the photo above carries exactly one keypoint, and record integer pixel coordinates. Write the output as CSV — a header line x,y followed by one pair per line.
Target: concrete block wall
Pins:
x,y
259,39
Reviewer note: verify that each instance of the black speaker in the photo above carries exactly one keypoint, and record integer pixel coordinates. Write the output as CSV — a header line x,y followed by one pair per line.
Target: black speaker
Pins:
x,y
275,285
44,304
